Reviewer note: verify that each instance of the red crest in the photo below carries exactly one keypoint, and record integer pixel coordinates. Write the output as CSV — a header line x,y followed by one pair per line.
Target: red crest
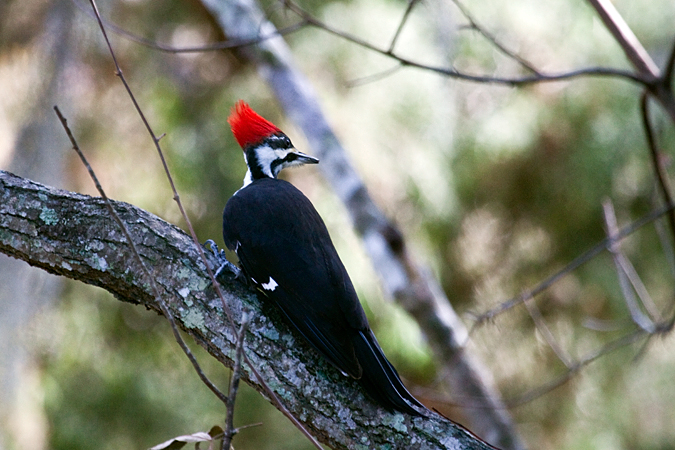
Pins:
x,y
247,126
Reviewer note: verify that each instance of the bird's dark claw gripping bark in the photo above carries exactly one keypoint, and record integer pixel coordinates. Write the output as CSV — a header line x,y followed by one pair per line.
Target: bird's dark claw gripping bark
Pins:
x,y
223,263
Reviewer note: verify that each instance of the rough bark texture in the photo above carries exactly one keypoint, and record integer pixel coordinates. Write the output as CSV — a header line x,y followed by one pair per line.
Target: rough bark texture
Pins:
x,y
73,235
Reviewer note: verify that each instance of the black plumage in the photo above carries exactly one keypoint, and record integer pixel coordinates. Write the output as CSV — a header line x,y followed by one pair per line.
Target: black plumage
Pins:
x,y
284,248
282,243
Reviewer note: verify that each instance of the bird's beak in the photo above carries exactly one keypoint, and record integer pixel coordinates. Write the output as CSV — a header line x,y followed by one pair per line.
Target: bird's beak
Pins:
x,y
301,158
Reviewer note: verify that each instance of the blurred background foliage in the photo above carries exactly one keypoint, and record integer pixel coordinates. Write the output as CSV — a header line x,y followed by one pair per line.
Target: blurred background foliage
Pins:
x,y
494,187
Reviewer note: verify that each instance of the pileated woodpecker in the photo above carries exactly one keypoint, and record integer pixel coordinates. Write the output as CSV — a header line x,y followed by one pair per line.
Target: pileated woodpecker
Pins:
x,y
285,250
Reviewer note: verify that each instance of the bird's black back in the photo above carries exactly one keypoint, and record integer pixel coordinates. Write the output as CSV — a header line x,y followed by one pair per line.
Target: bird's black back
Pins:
x,y
285,249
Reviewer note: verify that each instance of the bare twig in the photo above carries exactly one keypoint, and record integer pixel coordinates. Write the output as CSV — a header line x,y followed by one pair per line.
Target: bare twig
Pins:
x,y
474,25
406,14
529,396
638,56
230,43
539,322
573,265
668,71
640,289
639,318
515,81
229,432
657,160
617,344
155,140
137,256
665,235
373,77
625,37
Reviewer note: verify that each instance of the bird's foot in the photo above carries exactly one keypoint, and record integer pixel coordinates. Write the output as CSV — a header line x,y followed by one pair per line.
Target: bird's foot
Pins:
x,y
223,263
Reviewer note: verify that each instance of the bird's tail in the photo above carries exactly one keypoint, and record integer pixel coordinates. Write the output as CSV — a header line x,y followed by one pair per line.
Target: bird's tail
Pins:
x,y
380,379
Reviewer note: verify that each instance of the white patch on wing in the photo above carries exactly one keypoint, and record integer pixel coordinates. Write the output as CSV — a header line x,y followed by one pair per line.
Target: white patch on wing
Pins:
x,y
270,285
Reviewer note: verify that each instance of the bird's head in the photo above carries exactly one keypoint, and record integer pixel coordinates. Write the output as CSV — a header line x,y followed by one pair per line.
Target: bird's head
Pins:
x,y
266,148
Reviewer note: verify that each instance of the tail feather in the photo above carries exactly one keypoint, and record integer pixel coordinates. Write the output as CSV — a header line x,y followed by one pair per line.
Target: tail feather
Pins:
x,y
380,379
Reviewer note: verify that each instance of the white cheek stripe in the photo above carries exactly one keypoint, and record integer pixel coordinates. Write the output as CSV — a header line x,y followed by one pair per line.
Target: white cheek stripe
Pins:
x,y
266,156
270,285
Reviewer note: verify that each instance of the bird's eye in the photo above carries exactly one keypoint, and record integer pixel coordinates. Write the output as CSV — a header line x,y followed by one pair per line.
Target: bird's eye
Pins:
x,y
279,142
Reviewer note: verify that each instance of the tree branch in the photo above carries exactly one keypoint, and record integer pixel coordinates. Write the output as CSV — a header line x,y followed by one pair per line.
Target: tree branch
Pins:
x,y
657,83
625,37
73,235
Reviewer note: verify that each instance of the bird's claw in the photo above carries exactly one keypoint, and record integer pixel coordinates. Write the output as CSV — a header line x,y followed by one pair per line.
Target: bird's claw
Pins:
x,y
223,263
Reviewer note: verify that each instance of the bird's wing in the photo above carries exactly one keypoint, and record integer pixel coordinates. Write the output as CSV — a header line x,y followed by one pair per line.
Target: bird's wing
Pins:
x,y
319,320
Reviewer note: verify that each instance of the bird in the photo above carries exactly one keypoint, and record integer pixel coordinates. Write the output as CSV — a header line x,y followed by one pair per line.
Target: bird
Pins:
x,y
286,253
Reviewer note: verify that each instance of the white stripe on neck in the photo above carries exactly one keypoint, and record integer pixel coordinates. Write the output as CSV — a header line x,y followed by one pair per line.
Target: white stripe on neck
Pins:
x,y
248,179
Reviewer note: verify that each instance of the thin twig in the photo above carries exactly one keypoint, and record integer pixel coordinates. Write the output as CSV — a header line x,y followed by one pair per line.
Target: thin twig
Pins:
x,y
573,265
155,140
668,71
586,360
516,81
474,25
373,77
137,256
640,289
665,235
274,398
544,389
406,14
625,37
657,160
234,384
539,322
638,56
230,43
639,318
